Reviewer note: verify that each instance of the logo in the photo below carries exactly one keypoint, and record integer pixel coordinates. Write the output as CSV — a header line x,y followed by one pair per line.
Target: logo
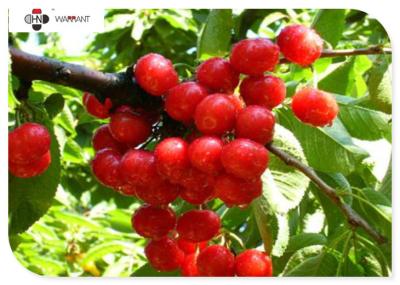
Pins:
x,y
36,19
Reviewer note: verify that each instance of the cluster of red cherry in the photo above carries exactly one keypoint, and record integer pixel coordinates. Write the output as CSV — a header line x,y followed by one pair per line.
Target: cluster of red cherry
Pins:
x,y
224,158
29,150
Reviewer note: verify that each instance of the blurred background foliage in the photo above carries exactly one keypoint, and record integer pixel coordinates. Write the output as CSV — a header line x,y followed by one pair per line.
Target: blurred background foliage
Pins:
x,y
84,228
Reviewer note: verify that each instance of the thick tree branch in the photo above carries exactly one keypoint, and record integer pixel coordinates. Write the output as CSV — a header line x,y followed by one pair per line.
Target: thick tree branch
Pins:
x,y
353,218
351,52
120,87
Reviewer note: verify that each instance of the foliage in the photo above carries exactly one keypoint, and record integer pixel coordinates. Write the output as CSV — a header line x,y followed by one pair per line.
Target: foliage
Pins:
x,y
64,223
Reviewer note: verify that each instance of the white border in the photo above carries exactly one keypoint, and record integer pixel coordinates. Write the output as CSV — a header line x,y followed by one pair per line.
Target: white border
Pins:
x,y
385,11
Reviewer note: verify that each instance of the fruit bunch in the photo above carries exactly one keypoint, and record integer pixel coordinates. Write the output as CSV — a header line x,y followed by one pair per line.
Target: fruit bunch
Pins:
x,y
222,156
29,150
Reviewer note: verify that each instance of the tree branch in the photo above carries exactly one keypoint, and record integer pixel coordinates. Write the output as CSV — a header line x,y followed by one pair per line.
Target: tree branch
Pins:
x,y
353,218
351,52
121,88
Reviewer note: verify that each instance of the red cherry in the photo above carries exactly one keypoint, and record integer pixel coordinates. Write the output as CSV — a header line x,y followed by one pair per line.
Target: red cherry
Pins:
x,y
237,101
300,44
198,186
253,263
129,128
254,56
205,154
172,158
267,91
95,108
102,138
198,225
314,107
105,166
215,115
155,74
32,169
255,123
189,266
216,260
218,75
138,167
28,143
181,100
235,191
157,194
127,190
190,247
245,158
164,254
153,222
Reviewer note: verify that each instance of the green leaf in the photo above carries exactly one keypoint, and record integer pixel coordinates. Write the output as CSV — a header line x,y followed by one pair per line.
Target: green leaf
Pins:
x,y
215,38
380,85
73,152
311,261
328,149
302,240
147,270
386,185
284,186
273,228
363,123
340,79
30,198
54,104
99,251
337,181
376,209
283,189
330,24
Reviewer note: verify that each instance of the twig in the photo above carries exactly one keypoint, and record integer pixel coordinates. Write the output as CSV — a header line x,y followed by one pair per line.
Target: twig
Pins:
x,y
351,52
353,218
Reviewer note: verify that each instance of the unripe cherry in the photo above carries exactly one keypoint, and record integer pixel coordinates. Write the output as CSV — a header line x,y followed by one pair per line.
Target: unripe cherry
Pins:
x,y
138,167
254,56
253,263
105,166
158,194
181,100
155,74
164,254
205,154
218,75
153,222
28,143
32,169
315,107
235,191
215,115
95,108
245,158
256,123
216,260
102,138
189,247
267,91
172,158
129,128
300,44
198,225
